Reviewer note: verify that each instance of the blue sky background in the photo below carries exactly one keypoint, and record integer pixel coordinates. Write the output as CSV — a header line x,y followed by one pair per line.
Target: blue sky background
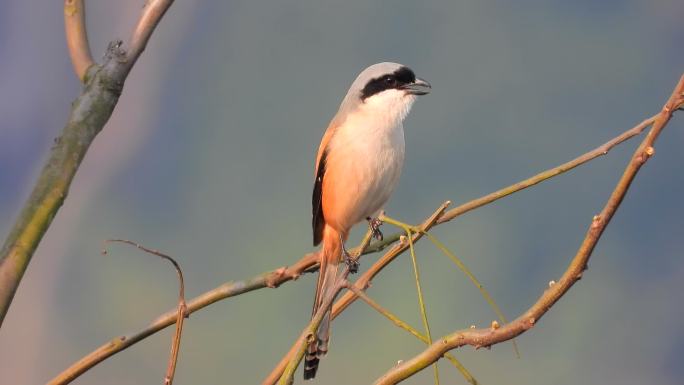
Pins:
x,y
209,157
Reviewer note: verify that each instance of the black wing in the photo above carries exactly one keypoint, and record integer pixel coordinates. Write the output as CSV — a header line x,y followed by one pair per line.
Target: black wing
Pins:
x,y
317,221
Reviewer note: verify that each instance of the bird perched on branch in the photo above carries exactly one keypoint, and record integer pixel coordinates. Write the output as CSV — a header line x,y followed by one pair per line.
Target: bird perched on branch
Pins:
x,y
357,168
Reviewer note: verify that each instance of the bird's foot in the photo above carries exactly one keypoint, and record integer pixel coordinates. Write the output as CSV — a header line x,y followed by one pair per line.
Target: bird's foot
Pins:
x,y
352,263
374,224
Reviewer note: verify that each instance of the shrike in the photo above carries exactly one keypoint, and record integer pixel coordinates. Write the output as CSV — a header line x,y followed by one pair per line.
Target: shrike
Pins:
x,y
357,168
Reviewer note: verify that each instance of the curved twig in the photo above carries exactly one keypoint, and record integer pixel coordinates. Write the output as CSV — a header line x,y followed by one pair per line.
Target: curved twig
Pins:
x,y
403,325
182,307
152,13
494,335
77,37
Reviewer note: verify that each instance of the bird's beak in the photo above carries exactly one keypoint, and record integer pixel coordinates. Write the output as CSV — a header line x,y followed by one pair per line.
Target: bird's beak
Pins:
x,y
419,87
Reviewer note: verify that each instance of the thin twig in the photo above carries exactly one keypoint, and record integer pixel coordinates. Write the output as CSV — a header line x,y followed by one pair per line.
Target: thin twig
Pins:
x,y
403,325
494,335
485,293
77,37
471,276
550,173
152,13
421,301
182,307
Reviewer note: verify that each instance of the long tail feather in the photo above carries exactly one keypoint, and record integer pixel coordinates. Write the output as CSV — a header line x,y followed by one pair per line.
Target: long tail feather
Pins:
x,y
330,258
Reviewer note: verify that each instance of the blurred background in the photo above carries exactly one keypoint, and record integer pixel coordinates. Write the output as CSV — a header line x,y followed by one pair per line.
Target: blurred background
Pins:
x,y
209,157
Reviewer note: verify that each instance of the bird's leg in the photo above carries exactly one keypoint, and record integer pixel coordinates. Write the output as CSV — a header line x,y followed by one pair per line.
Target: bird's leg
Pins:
x,y
351,262
374,224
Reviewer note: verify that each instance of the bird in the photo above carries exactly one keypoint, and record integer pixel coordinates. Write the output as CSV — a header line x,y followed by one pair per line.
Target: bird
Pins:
x,y
357,168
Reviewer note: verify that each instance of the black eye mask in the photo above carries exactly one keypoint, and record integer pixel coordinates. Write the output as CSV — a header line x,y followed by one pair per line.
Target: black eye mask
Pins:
x,y
395,80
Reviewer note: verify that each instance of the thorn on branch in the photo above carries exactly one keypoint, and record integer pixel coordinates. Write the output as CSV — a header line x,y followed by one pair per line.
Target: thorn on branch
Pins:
x,y
649,151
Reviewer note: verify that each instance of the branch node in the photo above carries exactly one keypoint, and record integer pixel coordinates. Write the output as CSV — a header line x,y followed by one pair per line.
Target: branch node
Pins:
x,y
114,51
495,325
551,283
310,338
275,278
649,151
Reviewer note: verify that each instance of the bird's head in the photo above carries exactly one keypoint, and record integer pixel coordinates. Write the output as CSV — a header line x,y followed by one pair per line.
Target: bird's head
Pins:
x,y
387,88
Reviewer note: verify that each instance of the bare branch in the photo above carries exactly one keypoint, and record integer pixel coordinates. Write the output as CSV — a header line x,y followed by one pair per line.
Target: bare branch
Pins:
x,y
544,175
488,337
77,37
182,307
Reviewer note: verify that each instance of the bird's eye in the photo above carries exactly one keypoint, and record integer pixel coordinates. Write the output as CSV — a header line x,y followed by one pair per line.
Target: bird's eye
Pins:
x,y
389,80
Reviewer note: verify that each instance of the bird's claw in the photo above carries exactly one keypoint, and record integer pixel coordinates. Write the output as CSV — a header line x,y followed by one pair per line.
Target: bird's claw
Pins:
x,y
375,224
352,263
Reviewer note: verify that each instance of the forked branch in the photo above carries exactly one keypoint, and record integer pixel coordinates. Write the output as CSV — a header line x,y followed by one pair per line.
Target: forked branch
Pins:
x,y
89,113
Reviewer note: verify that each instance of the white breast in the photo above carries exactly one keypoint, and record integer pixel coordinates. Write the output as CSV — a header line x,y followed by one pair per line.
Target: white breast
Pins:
x,y
372,145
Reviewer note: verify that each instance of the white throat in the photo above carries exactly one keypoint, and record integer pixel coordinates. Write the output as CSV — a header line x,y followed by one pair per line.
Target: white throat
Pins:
x,y
389,105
